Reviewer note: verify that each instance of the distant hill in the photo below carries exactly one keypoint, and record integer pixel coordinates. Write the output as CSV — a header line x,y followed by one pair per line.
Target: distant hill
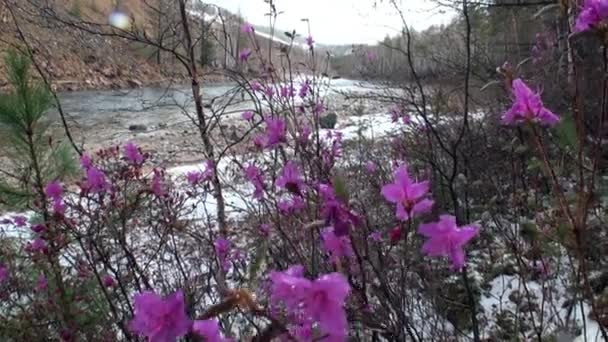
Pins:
x,y
75,59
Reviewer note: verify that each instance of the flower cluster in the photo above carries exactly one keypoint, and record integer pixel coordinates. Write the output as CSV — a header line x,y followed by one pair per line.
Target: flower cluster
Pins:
x,y
317,303
165,320
592,15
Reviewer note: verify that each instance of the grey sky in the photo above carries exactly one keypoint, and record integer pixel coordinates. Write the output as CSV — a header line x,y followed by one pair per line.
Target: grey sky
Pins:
x,y
340,21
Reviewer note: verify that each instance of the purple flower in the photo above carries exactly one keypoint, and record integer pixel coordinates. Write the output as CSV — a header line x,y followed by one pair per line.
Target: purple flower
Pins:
x,y
209,329
336,246
85,161
253,174
335,212
38,228
411,198
276,131
591,15
289,287
244,55
160,319
447,240
291,205
96,181
321,301
269,92
304,88
310,42
287,91
247,115
20,221
131,152
4,274
256,86
304,134
54,190
36,246
527,107
291,179
42,283
108,281
375,236
247,28
395,235
194,177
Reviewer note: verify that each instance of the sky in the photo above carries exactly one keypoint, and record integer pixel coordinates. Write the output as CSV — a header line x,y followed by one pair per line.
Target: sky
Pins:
x,y
340,21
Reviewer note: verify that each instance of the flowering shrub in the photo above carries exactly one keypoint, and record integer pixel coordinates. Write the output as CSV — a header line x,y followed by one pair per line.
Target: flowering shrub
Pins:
x,y
296,232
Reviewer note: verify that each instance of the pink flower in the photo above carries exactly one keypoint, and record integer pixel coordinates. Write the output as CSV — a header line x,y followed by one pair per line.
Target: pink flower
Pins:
x,y
54,190
304,88
256,86
85,161
291,205
20,221
42,283
375,236
247,115
4,274
247,28
253,174
310,42
289,286
96,181
276,131
320,301
194,177
527,107
304,134
335,212
37,246
38,228
336,246
160,319
325,303
447,240
209,329
395,235
132,154
244,55
269,92
592,14
411,198
290,179
287,91
108,281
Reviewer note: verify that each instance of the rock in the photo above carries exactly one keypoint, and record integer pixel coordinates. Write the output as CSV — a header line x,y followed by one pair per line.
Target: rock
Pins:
x,y
134,83
328,121
138,128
